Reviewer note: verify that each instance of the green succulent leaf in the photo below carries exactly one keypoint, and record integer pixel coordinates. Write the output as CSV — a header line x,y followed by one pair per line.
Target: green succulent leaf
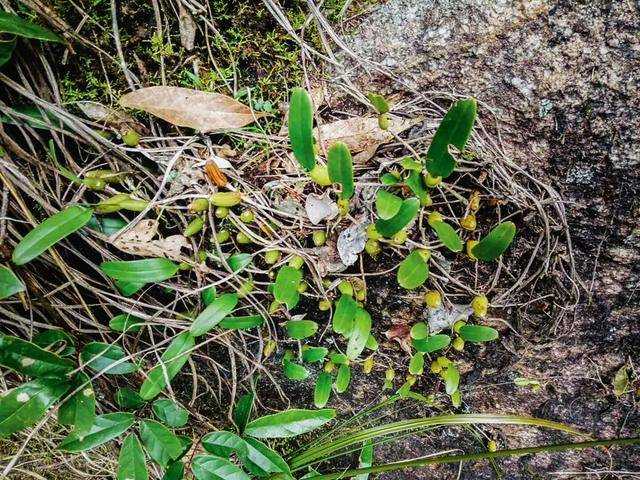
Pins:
x,y
106,427
432,343
301,128
455,129
214,313
261,460
413,271
420,331
50,232
161,444
285,289
360,334
406,214
478,333
496,243
23,406
171,362
344,315
416,365
79,409
289,423
140,272
14,25
322,390
343,379
379,102
242,411
293,371
169,413
448,236
224,444
301,329
340,168
313,354
107,358
131,462
387,204
9,283
241,323
31,360
451,379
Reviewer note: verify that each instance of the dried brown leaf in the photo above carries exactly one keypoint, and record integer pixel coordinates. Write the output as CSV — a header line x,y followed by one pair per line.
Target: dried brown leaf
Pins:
x,y
138,240
401,333
202,111
188,29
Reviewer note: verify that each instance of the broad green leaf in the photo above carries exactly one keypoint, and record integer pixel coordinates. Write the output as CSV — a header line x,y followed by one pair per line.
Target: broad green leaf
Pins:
x,y
496,243
150,270
455,129
285,290
343,378
360,334
387,204
420,331
106,358
338,358
15,25
105,428
390,179
23,406
128,398
160,443
239,261
451,379
379,102
300,329
413,271
365,460
621,381
106,225
7,48
241,323
209,295
301,128
171,362
293,371
132,463
175,471
478,333
313,354
31,360
129,288
344,315
448,236
406,214
126,323
242,411
50,232
431,344
79,409
207,467
261,460
416,365
340,167
224,444
169,413
55,340
289,423
213,314
9,283
322,391
416,184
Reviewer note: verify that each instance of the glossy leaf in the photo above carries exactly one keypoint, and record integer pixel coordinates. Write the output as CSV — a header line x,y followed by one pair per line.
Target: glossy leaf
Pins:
x,y
406,214
416,184
322,390
31,360
242,411
9,283
387,204
106,358
313,354
496,243
420,331
359,335
389,179
301,128
79,409
50,232
23,406
289,423
343,378
451,379
131,462
293,371
171,362
416,365
150,270
224,444
207,467
340,167
14,25
454,129
106,225
175,471
56,341
300,329
160,443
169,413
413,271
105,428
431,344
241,323
128,398
448,236
239,261
285,289
344,315
213,314
478,333
129,288
261,460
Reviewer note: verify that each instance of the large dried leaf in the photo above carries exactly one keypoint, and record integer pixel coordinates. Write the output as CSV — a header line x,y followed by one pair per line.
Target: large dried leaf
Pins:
x,y
138,240
362,135
202,111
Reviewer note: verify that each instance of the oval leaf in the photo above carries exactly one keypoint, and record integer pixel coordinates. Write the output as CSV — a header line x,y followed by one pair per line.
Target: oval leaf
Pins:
x,y
241,323
213,314
322,391
139,272
224,444
289,423
416,365
31,360
448,236
9,283
170,413
359,335
105,428
159,442
202,111
313,354
261,460
478,333
407,212
413,271
107,359
50,232
344,315
343,378
300,329
131,463
301,128
496,243
127,398
206,467
387,204
451,379
285,290
431,344
293,371
340,167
